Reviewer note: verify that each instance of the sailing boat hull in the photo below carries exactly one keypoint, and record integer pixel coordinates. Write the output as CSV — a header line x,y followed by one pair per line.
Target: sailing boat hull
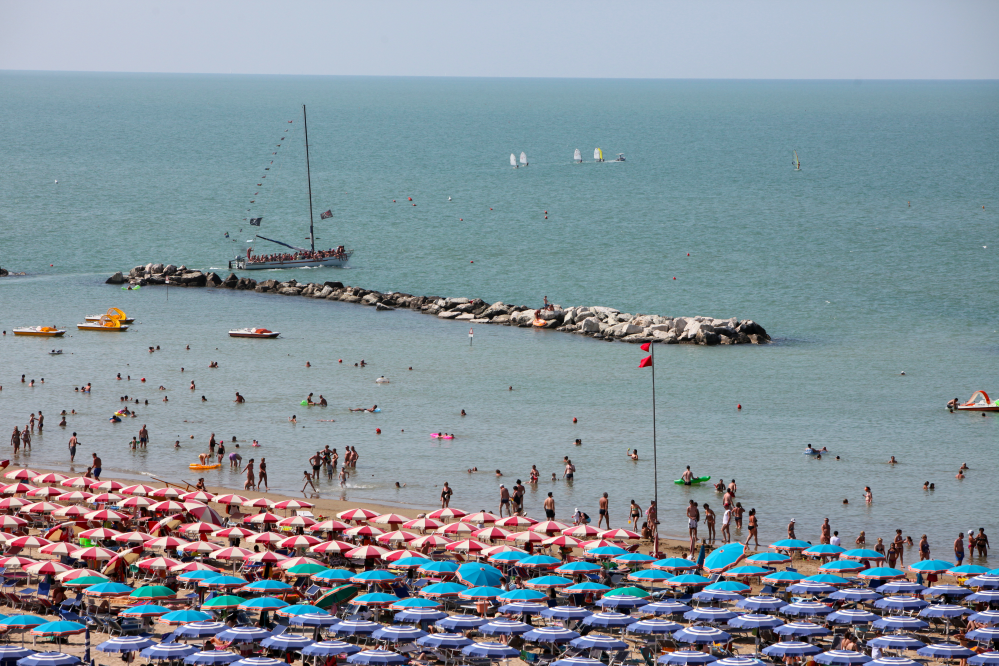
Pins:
x,y
335,262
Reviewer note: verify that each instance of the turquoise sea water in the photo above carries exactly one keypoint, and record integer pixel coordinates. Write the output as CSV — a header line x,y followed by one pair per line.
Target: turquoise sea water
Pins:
x,y
853,283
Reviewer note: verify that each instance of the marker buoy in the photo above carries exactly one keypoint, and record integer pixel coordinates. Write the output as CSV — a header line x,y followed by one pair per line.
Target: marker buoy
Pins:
x,y
674,278
546,217
51,265
738,406
341,360
410,198
414,204
546,212
143,379
688,254
982,207
378,431
471,262
461,219
573,419
393,200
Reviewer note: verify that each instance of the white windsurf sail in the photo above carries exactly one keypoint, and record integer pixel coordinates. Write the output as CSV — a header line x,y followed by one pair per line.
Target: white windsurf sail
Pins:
x,y
796,162
513,160
523,159
598,155
578,156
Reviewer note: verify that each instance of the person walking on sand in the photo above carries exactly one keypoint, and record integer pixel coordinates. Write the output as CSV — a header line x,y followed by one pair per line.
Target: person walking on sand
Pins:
x,y
693,516
550,507
262,475
308,482
250,477
604,511
72,447
634,515
754,527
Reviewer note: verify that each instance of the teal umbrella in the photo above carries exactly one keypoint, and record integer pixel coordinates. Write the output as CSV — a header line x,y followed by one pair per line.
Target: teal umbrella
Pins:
x,y
299,609
59,628
223,581
674,564
197,574
545,582
22,621
481,593
790,544
728,586
587,587
479,575
413,602
374,599
521,594
263,604
306,569
184,616
748,570
145,610
269,586
337,576
108,589
152,592
443,590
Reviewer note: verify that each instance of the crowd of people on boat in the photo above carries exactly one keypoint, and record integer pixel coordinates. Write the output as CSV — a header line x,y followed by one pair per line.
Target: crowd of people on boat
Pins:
x,y
309,255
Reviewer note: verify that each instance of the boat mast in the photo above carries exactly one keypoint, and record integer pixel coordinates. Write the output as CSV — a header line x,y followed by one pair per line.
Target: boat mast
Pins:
x,y
308,173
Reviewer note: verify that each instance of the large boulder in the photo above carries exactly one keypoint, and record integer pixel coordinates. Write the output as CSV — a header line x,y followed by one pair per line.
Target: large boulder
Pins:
x,y
156,268
371,298
246,284
502,319
212,280
192,279
334,285
448,314
117,278
290,291
590,325
496,309
230,282
322,293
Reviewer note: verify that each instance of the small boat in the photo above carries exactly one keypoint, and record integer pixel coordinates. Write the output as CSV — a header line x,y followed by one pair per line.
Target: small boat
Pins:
x,y
796,162
523,159
620,157
979,402
577,156
253,333
598,155
41,331
55,352
114,313
105,323
513,160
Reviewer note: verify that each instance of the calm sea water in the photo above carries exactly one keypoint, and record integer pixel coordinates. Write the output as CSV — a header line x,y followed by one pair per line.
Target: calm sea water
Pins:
x,y
855,284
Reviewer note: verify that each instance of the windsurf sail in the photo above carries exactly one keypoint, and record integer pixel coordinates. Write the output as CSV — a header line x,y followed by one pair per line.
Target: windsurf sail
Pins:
x,y
578,156
598,155
523,158
796,162
513,160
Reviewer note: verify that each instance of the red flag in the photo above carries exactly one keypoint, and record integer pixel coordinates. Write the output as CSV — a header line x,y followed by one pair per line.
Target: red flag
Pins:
x,y
646,362
646,346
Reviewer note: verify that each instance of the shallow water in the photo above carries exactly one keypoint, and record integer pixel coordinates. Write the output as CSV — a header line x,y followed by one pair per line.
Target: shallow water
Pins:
x,y
854,285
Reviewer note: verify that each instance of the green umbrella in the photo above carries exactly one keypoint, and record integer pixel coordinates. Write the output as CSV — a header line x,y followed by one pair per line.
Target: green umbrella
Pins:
x,y
225,601
631,591
153,592
84,581
306,569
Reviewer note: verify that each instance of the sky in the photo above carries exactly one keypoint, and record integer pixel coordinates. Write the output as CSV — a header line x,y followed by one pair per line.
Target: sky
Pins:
x,y
691,39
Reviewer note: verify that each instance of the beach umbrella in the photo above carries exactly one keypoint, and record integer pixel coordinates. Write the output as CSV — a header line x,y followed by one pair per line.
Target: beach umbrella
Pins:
x,y
944,611
892,661
896,642
125,644
330,649
901,587
157,563
17,562
266,586
946,651
377,658
565,612
855,594
306,569
615,600
753,621
299,541
609,619
492,651
48,659
903,622
688,580
880,573
313,620
986,617
374,599
546,582
292,504
727,586
389,519
506,556
197,496
338,576
841,566
967,570
598,642
439,568
582,532
603,543
405,559
654,627
21,474
329,526
261,519
457,530
479,574
137,502
398,633
465,546
183,617
106,515
988,596
41,507
749,571
263,604
984,659
461,622
28,542
522,594
901,603
650,576
106,486
808,587
806,608
930,566
422,524
286,642
504,628
150,592
490,533
235,500
49,478
133,537
356,515
701,635
827,579
13,522
419,615
768,559
791,649
235,533
232,553
85,581
539,561
200,629
11,653
446,641
94,553
851,616
366,553
16,503
666,607
46,567
841,658
413,602
484,592
355,628
761,603
801,629
633,559
198,574
481,517
686,658
605,552
59,628
99,533
244,634
223,602
861,554
984,634
782,577
522,608
259,661
740,661
577,568
946,591
374,576
199,547
299,609
198,527
709,615
989,581
211,658
546,527
108,589
15,489
145,610
790,544
73,496
332,547
577,661
223,582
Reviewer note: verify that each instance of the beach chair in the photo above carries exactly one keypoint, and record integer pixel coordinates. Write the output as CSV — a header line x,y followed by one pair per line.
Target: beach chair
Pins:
x,y
124,626
43,588
169,637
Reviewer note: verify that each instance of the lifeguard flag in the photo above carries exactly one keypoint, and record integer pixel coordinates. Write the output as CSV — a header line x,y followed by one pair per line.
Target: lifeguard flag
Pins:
x,y
646,362
646,346
329,213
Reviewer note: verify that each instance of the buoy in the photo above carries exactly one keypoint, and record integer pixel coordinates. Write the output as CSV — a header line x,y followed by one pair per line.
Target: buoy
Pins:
x,y
688,254
546,217
414,204
471,262
341,360
546,212
982,207
410,198
461,219
378,431
143,379
51,265
674,278
738,406
573,419
393,200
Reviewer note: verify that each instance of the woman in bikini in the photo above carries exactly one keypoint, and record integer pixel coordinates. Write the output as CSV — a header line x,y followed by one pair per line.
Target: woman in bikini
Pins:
x,y
754,526
249,476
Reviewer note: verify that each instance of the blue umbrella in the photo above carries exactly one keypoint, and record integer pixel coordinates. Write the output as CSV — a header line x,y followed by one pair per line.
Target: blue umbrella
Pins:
x,y
504,628
200,629
540,561
985,659
761,603
967,570
989,617
577,661
702,635
655,627
855,594
211,657
947,591
48,659
709,615
197,574
768,558
263,603
944,610
10,653
215,581
109,589
686,658
740,661
810,587
522,608
901,603
185,616
244,634
781,577
420,615
59,628
443,590
377,657
717,595
802,629
333,576
302,609
599,642
750,570
414,602
634,558
555,635
444,567
892,661
551,581
566,612
461,622
606,551
622,601
901,587
823,549
852,616
510,556
896,642
945,651
145,610
806,608
374,576
329,648
790,544
370,599
522,594
168,651
286,642
791,649
313,620
259,661
931,566
609,619
477,574
841,658
23,622
984,595
578,567
266,586
495,651
846,566
674,564
989,581
862,554
407,562
125,644
900,622
481,593
751,621
587,586
355,628
398,633
727,586
665,608
447,641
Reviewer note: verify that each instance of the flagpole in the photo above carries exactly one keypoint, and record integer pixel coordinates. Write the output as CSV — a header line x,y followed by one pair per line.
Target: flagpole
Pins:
x,y
655,462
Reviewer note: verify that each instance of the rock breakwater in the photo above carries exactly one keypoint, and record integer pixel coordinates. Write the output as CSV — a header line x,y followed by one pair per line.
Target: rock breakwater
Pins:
x,y
602,323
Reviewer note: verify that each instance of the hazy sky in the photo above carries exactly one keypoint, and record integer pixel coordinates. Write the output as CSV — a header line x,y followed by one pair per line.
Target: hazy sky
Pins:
x,y
800,39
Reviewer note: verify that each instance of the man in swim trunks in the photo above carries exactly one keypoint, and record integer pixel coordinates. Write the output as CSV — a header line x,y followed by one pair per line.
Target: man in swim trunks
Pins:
x,y
570,469
239,398
504,501
316,461
687,477
143,436
604,504
97,466
72,445
693,516
550,507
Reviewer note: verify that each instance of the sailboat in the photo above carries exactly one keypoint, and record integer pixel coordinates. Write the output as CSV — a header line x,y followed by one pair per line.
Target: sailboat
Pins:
x,y
513,160
796,162
578,156
302,257
598,155
523,159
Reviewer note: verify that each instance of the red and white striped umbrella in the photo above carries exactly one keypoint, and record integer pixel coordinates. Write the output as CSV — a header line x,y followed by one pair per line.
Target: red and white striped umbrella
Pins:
x,y
138,490
94,553
107,514
12,521
620,534
446,514
59,548
423,524
456,529
582,531
230,499
562,540
109,486
199,528
106,498
40,507
202,547
332,547
71,511
295,561
28,542
293,504
329,526
100,533
232,553
268,556
490,533
184,567
79,482
265,537
167,506
516,521
197,496
16,562
75,496
481,517
599,543
389,519
191,505
296,521
262,519
501,548
364,530
366,553
21,474
73,574
47,479
526,537
166,542
549,527
137,502
396,555
44,491
166,493
299,541
465,546
157,563
47,567
235,533
356,514
15,489
13,503
134,537
397,536
429,540
258,503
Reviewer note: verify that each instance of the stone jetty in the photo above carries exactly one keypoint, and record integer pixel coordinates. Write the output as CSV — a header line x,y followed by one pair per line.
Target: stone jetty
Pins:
x,y
597,322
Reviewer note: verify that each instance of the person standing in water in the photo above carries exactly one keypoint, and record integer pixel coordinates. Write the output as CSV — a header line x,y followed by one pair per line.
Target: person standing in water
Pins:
x,y
250,478
262,475
72,447
604,511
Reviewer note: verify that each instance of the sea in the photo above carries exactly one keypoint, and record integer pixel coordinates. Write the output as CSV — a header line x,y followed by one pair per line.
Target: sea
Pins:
x,y
873,268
